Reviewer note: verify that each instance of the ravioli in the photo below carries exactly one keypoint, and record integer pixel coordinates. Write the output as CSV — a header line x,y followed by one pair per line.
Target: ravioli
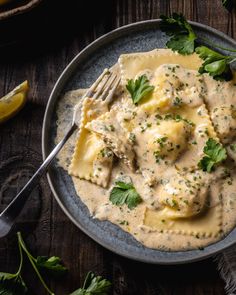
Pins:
x,y
134,63
208,224
92,160
114,135
223,109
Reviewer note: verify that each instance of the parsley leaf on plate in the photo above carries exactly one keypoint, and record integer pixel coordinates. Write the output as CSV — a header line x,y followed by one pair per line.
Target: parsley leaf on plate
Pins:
x,y
125,193
52,265
215,64
183,40
215,154
94,286
139,88
181,33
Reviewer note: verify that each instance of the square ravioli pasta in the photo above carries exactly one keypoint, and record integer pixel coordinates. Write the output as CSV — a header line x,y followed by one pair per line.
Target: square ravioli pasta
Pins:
x,y
91,160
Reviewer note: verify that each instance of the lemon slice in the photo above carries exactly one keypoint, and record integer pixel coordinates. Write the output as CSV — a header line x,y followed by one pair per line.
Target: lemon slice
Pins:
x,y
11,103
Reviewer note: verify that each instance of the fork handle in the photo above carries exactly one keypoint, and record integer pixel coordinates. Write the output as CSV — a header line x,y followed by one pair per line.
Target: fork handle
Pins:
x,y
11,212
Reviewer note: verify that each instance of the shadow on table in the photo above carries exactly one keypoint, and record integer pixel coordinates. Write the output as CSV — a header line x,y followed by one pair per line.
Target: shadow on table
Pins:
x,y
159,280
50,26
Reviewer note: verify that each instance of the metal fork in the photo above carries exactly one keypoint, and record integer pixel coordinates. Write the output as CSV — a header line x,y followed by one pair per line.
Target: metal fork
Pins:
x,y
103,88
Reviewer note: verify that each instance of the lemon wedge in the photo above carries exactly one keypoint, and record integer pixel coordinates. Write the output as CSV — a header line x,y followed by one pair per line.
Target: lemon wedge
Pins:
x,y
11,103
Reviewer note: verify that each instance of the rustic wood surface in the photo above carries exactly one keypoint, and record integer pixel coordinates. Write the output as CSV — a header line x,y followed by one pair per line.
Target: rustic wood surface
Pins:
x,y
38,48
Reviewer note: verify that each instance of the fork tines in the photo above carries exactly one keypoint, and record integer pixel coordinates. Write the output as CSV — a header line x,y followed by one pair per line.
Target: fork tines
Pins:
x,y
104,87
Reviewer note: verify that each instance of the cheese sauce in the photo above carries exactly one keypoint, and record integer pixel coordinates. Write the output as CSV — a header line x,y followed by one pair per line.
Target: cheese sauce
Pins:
x,y
192,189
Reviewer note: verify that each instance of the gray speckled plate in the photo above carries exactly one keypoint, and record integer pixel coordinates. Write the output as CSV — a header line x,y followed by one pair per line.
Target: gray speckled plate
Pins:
x,y
80,73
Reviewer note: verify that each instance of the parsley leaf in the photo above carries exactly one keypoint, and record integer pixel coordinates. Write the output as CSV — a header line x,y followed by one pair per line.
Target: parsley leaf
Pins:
x,y
215,64
139,88
215,154
52,265
228,4
183,40
12,284
125,193
181,33
93,286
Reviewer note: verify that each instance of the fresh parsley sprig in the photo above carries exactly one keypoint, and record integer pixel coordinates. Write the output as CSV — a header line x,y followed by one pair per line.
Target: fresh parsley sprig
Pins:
x,y
13,284
181,33
139,88
125,193
215,64
184,40
93,286
214,152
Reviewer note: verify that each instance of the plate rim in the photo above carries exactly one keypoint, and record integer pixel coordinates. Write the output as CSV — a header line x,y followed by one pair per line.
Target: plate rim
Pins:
x,y
61,80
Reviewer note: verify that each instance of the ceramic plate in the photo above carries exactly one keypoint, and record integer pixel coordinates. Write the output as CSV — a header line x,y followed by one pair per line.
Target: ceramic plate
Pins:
x,y
80,73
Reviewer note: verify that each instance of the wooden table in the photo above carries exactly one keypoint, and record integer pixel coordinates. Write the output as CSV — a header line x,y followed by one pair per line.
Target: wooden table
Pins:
x,y
47,41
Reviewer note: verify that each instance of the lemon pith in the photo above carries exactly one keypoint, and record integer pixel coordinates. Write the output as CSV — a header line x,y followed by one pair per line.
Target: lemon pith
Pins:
x,y
11,103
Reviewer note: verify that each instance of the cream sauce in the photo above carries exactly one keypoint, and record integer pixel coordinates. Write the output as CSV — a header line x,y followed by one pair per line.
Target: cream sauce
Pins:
x,y
217,188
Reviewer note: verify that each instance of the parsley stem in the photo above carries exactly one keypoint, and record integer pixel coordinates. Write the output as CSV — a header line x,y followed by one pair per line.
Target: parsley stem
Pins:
x,y
21,260
86,280
233,60
32,261
215,45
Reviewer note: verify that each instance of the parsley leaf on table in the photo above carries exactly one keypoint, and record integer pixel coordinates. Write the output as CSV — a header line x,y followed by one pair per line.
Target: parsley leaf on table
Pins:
x,y
215,154
93,286
215,64
181,33
12,284
125,193
52,265
139,88
228,4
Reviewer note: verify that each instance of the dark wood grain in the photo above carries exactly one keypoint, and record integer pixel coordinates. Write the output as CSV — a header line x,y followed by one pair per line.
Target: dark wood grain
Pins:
x,y
42,46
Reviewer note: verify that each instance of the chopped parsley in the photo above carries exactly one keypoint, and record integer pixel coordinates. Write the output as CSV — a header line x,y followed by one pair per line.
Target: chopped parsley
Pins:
x,y
125,193
162,140
174,117
132,137
139,88
158,156
177,101
214,154
124,222
106,153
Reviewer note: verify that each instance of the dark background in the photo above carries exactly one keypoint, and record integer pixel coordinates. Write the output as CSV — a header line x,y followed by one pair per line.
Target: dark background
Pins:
x,y
37,47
